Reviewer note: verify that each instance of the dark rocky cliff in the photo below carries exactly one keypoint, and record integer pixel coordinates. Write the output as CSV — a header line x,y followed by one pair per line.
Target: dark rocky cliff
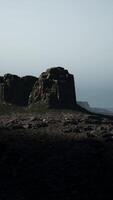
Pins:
x,y
56,88
16,90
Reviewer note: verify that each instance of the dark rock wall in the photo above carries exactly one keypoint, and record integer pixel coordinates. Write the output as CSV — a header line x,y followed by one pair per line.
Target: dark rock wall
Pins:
x,y
55,87
16,90
11,89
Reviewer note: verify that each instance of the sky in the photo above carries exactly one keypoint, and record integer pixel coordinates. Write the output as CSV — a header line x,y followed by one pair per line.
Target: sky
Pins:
x,y
75,34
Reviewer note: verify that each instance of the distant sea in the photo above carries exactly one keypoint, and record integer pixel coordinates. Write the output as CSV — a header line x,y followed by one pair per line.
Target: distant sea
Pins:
x,y
100,98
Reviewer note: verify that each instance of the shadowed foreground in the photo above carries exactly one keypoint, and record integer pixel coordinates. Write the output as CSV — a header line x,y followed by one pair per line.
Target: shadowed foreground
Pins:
x,y
39,165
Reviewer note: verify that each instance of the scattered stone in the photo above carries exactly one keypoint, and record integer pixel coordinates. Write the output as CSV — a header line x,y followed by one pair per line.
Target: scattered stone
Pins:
x,y
58,123
26,126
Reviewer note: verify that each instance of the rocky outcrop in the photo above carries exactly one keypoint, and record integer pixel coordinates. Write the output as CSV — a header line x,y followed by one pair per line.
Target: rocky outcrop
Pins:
x,y
16,90
56,88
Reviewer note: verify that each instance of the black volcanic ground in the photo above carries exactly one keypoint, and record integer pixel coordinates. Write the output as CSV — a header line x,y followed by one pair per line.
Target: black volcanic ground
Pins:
x,y
57,155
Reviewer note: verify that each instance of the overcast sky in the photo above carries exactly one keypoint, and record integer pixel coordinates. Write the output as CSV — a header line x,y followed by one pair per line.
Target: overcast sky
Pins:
x,y
76,34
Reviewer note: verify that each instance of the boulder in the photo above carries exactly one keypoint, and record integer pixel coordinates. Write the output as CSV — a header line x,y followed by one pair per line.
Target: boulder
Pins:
x,y
56,88
16,90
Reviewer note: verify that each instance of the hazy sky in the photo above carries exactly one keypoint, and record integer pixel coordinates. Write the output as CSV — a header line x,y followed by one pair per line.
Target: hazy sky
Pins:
x,y
76,34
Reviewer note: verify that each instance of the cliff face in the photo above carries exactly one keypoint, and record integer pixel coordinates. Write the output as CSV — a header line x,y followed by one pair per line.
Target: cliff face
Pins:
x,y
55,87
16,90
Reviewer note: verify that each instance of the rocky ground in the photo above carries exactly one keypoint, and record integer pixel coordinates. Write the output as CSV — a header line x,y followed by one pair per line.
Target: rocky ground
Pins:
x,y
56,155
74,124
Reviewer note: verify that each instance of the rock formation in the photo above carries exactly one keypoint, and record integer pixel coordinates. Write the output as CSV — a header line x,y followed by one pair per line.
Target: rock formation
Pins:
x,y
55,87
16,90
